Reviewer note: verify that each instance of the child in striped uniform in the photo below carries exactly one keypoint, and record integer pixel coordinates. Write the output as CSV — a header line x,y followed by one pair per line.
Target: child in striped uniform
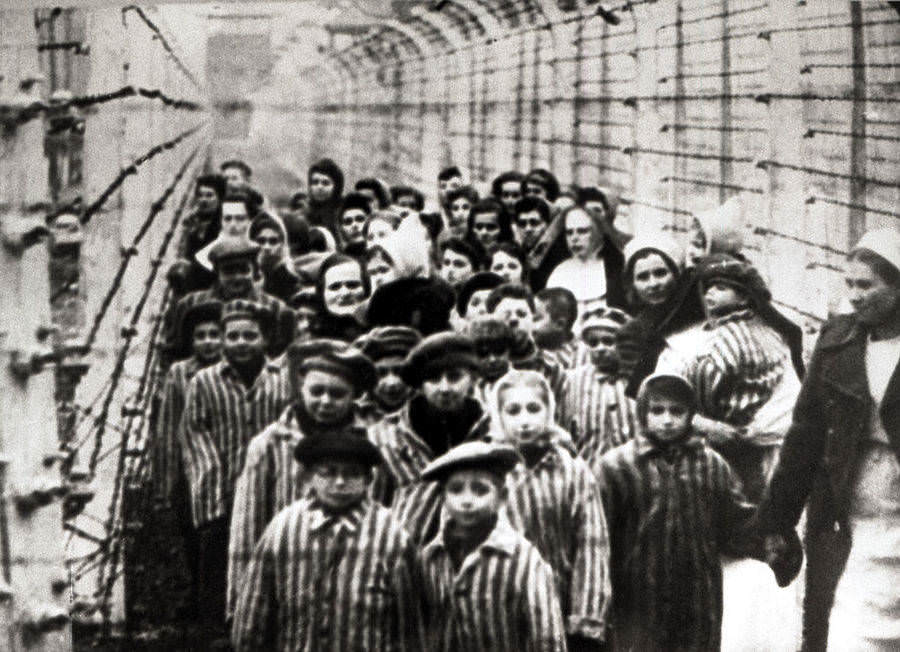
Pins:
x,y
334,572
327,376
673,505
486,588
556,311
593,406
493,342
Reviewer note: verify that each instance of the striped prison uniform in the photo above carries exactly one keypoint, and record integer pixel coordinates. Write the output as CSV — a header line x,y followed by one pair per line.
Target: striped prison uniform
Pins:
x,y
593,407
557,506
283,319
671,512
221,416
331,583
168,469
405,453
564,356
738,368
502,599
270,481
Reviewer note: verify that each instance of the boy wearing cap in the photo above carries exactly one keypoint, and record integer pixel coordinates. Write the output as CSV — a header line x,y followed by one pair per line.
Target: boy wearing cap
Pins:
x,y
486,587
493,342
327,377
227,403
332,572
593,406
237,275
441,371
387,348
673,504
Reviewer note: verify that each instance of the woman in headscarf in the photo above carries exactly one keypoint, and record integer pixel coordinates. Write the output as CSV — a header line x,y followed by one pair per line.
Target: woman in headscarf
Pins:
x,y
342,291
326,185
279,279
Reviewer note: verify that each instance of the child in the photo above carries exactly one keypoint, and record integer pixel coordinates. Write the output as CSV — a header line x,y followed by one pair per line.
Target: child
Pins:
x,y
486,587
673,504
493,342
326,377
555,313
555,502
593,406
333,572
387,348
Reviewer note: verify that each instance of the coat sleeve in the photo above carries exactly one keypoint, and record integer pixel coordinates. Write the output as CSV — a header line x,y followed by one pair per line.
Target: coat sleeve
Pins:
x,y
410,600
200,456
167,465
544,629
255,614
590,587
734,513
249,518
801,456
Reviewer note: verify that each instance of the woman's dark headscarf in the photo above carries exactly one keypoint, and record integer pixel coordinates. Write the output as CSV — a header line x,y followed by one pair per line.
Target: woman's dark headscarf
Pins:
x,y
324,213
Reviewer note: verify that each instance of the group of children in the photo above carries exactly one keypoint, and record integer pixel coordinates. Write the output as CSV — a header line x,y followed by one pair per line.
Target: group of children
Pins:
x,y
457,459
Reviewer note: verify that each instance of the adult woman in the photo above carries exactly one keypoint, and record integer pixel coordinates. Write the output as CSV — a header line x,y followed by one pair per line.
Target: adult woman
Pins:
x,y
456,210
840,459
342,290
488,224
510,262
326,185
650,279
380,226
589,272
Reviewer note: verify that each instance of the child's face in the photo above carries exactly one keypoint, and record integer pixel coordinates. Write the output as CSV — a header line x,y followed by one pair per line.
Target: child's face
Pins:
x,y
378,232
390,389
667,418
517,313
601,343
352,223
543,320
328,398
477,306
446,390
380,272
456,269
339,484
507,267
524,415
207,340
472,497
494,356
244,342
721,299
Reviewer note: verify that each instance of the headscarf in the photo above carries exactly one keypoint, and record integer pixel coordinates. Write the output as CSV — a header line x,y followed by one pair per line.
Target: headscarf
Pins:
x,y
325,213
516,378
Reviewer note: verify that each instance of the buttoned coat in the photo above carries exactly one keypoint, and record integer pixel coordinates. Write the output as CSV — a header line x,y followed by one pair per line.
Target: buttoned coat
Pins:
x,y
831,419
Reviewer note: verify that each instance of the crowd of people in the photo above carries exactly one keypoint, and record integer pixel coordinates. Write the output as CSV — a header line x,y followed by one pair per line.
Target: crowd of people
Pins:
x,y
504,424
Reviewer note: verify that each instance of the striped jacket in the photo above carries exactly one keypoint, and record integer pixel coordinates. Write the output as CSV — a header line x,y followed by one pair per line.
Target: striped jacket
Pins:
x,y
168,468
220,418
556,505
502,599
738,367
331,583
594,409
670,513
270,481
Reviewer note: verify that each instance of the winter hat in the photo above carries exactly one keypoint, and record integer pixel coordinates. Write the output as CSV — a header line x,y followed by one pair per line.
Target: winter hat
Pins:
x,y
349,443
739,274
388,341
437,352
882,242
499,459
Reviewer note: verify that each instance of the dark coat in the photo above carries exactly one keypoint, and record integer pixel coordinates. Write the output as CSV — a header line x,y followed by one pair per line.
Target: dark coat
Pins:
x,y
818,459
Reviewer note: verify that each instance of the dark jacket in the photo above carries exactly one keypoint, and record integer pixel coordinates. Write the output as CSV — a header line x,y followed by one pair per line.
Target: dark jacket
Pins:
x,y
818,459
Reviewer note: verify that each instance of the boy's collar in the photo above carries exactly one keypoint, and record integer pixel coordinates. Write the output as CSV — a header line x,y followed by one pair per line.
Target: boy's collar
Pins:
x,y
503,538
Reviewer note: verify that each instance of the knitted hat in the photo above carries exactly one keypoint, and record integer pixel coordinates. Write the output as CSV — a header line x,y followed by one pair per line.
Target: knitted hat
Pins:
x,y
437,352
722,268
496,458
884,243
347,444
388,341
333,357
246,309
233,249
610,319
476,283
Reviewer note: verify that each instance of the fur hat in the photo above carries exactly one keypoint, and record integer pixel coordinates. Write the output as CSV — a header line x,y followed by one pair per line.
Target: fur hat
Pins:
x,y
437,352
722,268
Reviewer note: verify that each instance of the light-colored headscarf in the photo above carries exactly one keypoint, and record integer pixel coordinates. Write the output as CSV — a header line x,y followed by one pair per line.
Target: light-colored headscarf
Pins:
x,y
517,378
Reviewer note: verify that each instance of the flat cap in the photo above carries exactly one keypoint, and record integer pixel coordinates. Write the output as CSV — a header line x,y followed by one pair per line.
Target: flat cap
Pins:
x,y
388,341
334,357
490,456
437,352
347,444
233,248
